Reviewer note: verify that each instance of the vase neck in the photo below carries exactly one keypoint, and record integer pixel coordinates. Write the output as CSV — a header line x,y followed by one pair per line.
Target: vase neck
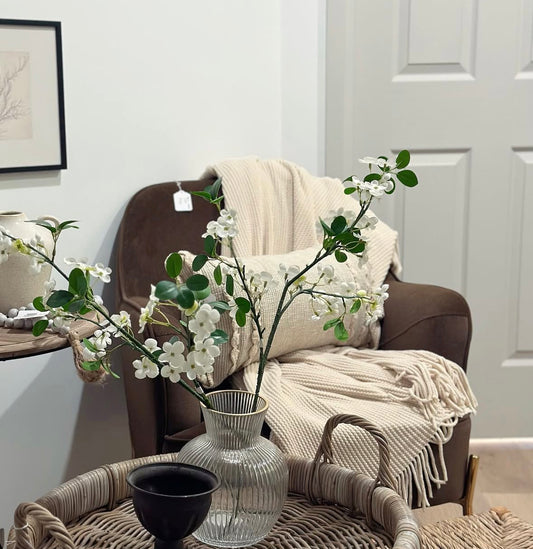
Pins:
x,y
11,216
231,423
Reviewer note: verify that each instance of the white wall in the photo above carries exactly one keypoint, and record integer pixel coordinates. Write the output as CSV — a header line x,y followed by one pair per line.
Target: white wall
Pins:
x,y
153,92
303,67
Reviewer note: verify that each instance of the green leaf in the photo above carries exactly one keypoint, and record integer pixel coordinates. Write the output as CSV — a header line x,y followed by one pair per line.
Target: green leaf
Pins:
x,y
202,194
327,229
185,297
219,337
166,289
89,345
229,285
330,323
45,224
340,332
197,282
59,298
408,178
372,177
403,159
173,264
38,304
349,190
202,294
91,366
220,306
338,225
198,262
340,256
210,245
214,189
76,306
77,282
39,327
240,318
68,225
356,247
84,310
217,275
243,304
355,306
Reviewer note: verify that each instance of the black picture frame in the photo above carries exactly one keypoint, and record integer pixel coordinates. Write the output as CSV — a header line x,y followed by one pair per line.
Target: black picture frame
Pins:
x,y
32,109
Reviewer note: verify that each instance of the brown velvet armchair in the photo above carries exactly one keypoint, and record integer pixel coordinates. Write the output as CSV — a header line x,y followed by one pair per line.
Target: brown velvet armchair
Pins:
x,y
163,417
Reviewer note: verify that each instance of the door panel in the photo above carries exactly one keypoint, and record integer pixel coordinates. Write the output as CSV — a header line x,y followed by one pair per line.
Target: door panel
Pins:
x,y
452,81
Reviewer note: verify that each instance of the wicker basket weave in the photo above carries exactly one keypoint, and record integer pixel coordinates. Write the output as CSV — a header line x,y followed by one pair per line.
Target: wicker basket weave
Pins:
x,y
328,506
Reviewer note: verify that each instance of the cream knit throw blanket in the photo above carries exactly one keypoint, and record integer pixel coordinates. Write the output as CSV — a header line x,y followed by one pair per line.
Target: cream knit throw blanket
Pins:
x,y
415,397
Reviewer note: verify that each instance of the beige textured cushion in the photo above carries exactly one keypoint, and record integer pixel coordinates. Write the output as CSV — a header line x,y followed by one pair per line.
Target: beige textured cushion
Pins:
x,y
297,330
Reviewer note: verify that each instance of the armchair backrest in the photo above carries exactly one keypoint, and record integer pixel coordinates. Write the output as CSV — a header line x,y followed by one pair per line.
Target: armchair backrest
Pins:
x,y
151,229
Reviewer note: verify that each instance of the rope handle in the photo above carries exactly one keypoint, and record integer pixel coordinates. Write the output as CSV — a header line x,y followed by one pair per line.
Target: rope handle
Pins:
x,y
88,376
44,519
325,450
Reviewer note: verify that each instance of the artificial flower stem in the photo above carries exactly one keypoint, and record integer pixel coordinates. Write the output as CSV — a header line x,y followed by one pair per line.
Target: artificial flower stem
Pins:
x,y
142,349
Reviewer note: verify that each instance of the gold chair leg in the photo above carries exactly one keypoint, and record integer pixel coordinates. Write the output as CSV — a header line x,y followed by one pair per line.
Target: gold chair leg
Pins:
x,y
468,501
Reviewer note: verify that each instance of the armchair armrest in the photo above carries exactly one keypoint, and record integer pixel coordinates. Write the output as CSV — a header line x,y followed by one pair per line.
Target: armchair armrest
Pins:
x,y
431,318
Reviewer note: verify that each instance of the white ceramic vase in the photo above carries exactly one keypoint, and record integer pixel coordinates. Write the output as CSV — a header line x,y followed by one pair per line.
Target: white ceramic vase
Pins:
x,y
18,286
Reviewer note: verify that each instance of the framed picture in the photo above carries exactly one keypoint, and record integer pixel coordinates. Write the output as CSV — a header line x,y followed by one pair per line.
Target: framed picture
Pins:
x,y
32,114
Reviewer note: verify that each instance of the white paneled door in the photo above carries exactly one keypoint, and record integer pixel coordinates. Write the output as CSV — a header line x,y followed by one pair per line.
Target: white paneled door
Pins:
x,y
452,81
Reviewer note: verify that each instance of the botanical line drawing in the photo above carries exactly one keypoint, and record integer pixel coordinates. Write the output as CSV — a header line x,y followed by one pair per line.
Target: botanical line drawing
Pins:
x,y
15,111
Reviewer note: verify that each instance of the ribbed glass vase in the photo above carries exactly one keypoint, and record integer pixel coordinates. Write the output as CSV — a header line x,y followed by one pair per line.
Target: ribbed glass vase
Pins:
x,y
252,470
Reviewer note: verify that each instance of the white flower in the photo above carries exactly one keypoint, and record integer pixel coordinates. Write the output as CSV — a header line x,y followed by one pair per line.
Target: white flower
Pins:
x,y
151,345
194,368
204,321
144,318
122,320
145,368
101,339
211,229
205,352
327,273
173,354
351,182
80,263
228,216
88,355
59,322
287,273
173,373
98,270
153,299
101,272
224,227
36,265
48,289
367,222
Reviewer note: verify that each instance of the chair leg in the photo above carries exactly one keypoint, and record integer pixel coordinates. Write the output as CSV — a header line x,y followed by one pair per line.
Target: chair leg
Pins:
x,y
468,500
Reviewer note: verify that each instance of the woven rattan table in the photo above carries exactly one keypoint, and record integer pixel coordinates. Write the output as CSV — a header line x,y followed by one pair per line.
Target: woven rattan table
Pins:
x,y
328,506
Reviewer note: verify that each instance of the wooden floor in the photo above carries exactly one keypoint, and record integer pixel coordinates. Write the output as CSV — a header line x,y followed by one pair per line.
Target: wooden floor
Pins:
x,y
505,478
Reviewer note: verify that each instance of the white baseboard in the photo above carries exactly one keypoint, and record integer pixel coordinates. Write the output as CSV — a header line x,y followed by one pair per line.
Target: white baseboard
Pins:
x,y
518,443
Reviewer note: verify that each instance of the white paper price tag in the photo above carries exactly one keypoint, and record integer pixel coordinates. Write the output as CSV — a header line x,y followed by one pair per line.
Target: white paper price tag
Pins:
x,y
182,201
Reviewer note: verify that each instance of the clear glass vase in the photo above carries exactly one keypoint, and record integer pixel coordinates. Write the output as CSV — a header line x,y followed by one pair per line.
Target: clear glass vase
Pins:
x,y
252,470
